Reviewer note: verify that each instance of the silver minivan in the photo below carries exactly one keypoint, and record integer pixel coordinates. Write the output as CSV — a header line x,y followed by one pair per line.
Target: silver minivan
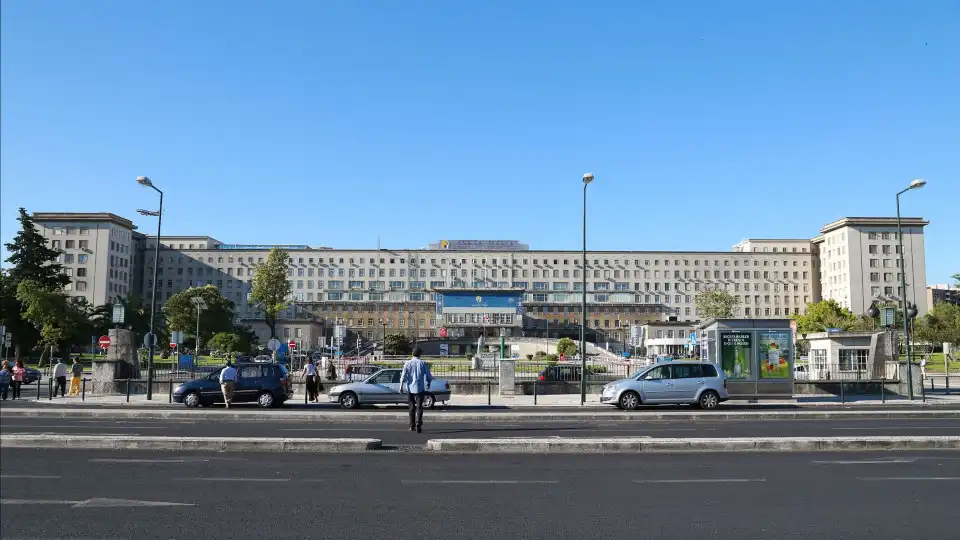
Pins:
x,y
695,383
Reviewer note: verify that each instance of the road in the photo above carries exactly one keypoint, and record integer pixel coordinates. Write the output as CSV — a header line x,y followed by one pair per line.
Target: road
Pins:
x,y
855,496
395,432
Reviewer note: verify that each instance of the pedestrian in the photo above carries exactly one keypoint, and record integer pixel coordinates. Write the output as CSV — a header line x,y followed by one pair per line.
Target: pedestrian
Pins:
x,y
60,376
5,376
76,371
310,378
923,367
228,383
19,374
417,377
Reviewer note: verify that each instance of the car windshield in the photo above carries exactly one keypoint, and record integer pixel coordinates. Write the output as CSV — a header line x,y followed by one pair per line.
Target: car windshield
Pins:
x,y
641,372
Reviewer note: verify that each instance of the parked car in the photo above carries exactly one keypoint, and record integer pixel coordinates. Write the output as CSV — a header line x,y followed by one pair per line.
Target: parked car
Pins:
x,y
562,372
359,372
696,383
267,385
263,358
384,387
31,376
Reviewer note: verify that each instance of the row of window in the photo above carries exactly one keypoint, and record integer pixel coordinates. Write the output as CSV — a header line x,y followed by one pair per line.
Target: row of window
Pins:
x,y
70,244
60,231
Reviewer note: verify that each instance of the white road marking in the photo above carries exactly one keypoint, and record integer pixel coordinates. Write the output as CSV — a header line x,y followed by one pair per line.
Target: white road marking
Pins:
x,y
909,478
701,481
892,427
511,482
95,503
121,460
31,476
866,462
236,479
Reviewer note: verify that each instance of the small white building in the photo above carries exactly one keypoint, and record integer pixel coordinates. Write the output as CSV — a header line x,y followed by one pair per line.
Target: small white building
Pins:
x,y
667,338
848,356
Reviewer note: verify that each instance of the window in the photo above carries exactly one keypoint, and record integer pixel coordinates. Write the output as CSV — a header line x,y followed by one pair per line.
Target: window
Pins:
x,y
82,259
853,359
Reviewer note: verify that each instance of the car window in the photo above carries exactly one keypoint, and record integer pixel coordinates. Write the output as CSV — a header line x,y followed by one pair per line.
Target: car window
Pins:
x,y
658,373
250,372
396,376
708,370
385,377
215,376
687,371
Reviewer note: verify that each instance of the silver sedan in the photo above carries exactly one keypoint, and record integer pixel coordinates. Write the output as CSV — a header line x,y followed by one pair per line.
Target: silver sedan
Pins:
x,y
384,387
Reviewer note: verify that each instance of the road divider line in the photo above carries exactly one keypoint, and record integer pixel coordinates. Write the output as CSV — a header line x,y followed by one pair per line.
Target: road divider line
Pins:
x,y
216,479
866,462
480,482
910,479
29,476
701,481
199,444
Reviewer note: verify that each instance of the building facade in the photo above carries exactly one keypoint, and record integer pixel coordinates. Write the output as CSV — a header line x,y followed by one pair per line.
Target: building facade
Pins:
x,y
943,294
465,289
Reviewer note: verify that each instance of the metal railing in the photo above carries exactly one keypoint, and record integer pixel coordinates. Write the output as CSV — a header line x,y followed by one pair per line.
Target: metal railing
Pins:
x,y
843,372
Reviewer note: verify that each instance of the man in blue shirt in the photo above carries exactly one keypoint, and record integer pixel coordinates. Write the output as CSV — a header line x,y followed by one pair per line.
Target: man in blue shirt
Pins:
x,y
228,382
416,376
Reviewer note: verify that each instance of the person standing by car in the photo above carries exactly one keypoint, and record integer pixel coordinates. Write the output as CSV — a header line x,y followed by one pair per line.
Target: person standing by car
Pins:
x,y
417,377
310,379
60,376
76,370
228,382
5,376
19,374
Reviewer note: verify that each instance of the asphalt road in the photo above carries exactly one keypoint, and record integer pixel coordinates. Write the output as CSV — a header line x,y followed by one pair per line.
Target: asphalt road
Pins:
x,y
396,433
855,496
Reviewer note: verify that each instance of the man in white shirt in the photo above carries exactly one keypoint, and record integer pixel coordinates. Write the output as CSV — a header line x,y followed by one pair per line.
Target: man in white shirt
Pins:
x,y
228,383
60,375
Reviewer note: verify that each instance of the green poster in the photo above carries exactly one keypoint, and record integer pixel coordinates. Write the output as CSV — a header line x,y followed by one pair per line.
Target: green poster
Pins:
x,y
774,354
736,354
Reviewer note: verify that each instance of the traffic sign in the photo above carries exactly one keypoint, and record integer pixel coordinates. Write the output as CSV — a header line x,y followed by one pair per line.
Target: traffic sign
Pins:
x,y
104,342
173,345
443,332
273,344
149,340
292,344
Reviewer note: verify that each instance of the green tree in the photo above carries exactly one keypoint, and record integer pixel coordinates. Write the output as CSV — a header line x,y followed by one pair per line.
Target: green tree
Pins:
x,y
716,304
248,338
226,343
136,318
940,325
30,258
956,279
397,344
180,312
825,314
271,290
60,320
567,347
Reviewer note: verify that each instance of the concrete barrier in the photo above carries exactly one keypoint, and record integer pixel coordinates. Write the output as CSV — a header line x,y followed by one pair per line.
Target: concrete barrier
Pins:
x,y
183,444
648,445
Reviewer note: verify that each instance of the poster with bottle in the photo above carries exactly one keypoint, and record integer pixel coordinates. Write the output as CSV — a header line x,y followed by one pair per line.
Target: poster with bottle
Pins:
x,y
736,354
775,348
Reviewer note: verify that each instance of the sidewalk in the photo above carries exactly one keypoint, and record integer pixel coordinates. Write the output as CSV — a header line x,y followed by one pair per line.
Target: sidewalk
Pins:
x,y
546,401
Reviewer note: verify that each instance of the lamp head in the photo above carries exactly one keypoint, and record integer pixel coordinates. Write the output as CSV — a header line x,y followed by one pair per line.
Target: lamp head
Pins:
x,y
918,183
144,181
151,213
587,178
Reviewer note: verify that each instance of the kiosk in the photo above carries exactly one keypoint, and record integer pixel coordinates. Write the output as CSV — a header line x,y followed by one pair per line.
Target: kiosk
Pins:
x,y
756,354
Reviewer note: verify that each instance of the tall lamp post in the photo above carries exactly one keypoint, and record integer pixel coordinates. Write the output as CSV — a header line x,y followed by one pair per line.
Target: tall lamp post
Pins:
x,y
201,305
587,178
916,184
144,181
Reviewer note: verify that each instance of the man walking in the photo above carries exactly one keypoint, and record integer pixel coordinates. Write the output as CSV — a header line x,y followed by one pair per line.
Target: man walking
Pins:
x,y
60,375
228,382
417,377
76,370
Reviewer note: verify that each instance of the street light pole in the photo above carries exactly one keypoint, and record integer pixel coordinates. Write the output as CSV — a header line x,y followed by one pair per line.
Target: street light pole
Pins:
x,y
587,178
198,301
144,181
916,184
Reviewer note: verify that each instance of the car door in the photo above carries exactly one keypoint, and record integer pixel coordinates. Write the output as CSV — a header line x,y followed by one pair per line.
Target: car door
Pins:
x,y
397,396
687,381
249,381
210,391
378,388
657,385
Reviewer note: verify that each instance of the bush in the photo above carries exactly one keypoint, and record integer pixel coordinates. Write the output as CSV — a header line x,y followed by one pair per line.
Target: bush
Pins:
x,y
529,357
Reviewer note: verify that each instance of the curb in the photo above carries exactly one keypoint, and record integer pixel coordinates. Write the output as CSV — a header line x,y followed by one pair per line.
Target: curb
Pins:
x,y
206,444
483,417
650,445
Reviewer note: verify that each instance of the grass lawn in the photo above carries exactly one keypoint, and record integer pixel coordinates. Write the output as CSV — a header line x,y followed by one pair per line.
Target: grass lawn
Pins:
x,y
935,363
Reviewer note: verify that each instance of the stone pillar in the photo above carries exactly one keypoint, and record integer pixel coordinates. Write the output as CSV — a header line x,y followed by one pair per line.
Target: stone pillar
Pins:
x,y
508,370
121,362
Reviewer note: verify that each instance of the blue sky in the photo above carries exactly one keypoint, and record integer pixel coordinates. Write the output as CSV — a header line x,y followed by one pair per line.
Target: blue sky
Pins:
x,y
335,122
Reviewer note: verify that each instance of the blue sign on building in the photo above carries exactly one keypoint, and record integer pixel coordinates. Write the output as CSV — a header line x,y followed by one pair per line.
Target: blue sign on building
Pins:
x,y
507,300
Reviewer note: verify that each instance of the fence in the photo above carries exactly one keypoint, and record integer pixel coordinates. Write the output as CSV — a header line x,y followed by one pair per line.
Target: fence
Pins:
x,y
852,371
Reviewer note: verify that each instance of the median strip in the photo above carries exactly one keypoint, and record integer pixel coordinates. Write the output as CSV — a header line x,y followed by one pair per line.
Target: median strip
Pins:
x,y
200,444
556,445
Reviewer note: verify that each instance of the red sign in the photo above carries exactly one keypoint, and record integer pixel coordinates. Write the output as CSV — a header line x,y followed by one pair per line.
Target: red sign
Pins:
x,y
104,342
173,345
443,332
292,344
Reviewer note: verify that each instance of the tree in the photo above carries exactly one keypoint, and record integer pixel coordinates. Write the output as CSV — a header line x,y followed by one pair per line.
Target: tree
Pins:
x,y
30,258
271,290
226,343
940,325
181,313
956,279
397,344
716,304
567,347
60,320
825,314
248,338
136,318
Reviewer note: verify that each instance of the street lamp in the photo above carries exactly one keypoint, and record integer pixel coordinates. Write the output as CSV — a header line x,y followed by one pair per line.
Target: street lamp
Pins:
x,y
201,305
144,181
587,178
916,184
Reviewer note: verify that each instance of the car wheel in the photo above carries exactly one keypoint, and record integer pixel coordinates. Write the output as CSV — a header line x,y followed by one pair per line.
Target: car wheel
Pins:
x,y
191,399
708,400
348,400
429,401
629,400
266,400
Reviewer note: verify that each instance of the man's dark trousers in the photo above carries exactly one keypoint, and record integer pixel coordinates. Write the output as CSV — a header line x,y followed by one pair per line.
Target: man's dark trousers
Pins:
x,y
415,403
61,386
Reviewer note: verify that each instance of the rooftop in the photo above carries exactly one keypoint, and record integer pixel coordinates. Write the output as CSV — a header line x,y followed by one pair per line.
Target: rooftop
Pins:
x,y
87,217
873,221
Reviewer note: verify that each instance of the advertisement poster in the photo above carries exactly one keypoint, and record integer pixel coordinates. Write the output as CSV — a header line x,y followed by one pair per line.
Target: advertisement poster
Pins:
x,y
774,354
736,354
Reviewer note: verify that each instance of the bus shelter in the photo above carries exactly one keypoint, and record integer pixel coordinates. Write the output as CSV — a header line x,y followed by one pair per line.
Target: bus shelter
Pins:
x,y
756,354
